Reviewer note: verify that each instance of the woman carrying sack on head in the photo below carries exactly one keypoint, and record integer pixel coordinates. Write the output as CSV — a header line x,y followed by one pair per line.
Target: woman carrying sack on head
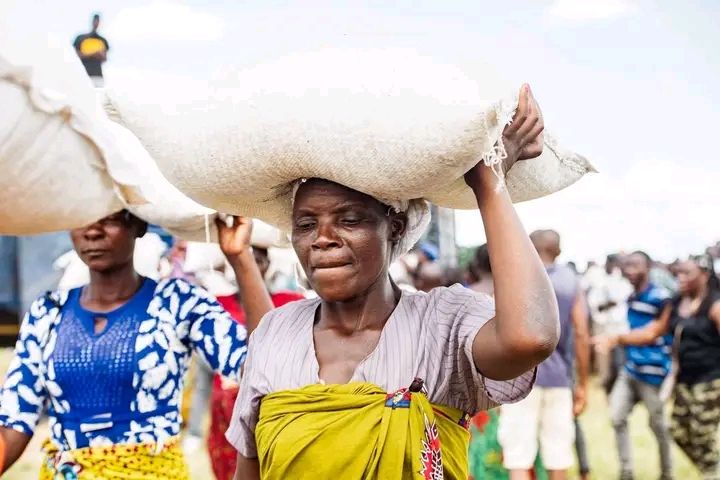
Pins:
x,y
109,359
694,320
371,382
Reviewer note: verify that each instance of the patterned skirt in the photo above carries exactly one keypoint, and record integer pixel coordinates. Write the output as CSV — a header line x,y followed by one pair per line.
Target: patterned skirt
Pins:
x,y
126,461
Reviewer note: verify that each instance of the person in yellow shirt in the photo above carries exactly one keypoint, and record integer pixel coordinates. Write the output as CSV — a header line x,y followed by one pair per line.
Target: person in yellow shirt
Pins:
x,y
92,49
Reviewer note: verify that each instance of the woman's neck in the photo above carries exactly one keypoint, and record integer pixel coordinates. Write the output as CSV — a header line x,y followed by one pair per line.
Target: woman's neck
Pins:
x,y
110,287
698,294
368,311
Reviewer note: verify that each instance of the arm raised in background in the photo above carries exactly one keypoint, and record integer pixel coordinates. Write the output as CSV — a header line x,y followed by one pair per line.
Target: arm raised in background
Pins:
x,y
526,327
235,244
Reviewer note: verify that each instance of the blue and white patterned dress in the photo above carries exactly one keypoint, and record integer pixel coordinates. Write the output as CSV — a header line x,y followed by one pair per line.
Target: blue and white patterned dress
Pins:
x,y
124,384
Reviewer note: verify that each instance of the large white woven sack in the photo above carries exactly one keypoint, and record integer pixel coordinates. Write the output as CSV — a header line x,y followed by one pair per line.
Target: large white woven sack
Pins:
x,y
52,146
163,204
390,123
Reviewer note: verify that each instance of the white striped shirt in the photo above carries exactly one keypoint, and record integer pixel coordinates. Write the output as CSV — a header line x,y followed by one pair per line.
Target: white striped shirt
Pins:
x,y
428,336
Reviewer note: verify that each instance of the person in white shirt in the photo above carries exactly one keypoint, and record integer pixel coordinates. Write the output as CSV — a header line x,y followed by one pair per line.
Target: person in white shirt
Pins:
x,y
607,293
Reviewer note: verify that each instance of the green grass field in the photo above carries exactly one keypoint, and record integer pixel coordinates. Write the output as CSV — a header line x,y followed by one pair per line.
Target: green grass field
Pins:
x,y
595,421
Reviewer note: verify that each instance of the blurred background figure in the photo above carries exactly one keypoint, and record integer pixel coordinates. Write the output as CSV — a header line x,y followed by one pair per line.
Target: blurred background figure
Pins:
x,y
607,292
92,48
418,269
431,275
714,253
661,276
545,419
172,265
400,273
645,367
479,272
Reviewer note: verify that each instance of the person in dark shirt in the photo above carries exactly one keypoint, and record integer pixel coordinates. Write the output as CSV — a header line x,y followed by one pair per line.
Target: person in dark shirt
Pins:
x,y
92,49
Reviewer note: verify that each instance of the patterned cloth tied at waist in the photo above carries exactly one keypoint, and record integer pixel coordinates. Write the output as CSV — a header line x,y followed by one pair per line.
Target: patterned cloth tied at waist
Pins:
x,y
358,430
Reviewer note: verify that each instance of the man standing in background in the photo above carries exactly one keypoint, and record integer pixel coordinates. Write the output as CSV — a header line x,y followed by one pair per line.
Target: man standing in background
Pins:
x,y
547,415
92,49
645,367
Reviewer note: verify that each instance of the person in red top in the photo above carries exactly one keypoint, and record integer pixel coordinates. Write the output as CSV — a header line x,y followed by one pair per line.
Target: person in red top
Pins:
x,y
223,456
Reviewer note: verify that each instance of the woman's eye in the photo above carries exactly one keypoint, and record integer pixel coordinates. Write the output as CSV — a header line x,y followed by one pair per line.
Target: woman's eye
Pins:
x,y
304,224
350,220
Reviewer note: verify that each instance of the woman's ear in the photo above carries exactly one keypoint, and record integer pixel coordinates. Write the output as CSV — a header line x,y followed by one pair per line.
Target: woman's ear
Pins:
x,y
398,225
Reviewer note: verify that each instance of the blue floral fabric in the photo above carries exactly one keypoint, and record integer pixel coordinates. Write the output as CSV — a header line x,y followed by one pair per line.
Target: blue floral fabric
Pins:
x,y
124,384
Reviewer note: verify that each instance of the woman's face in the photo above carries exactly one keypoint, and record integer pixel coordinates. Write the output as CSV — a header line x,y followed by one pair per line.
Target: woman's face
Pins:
x,y
109,242
691,278
343,239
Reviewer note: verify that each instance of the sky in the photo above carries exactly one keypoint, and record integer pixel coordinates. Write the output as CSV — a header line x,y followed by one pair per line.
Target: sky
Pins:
x,y
630,84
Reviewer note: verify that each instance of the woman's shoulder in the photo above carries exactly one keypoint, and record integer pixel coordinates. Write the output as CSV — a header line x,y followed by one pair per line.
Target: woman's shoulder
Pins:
x,y
49,303
44,313
284,321
446,307
714,299
455,295
184,289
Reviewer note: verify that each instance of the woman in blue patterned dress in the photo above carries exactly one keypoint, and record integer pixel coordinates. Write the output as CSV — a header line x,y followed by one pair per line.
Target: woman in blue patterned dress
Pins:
x,y
108,359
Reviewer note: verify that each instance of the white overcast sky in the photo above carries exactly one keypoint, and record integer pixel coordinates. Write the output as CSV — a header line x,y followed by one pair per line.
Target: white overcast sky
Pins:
x,y
632,84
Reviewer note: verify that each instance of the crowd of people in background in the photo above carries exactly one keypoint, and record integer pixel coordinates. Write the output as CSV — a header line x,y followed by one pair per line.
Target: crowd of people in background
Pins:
x,y
655,330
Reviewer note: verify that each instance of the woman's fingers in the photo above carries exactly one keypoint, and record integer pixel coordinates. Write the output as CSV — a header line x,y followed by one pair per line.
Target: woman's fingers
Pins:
x,y
521,113
531,121
534,147
534,134
221,224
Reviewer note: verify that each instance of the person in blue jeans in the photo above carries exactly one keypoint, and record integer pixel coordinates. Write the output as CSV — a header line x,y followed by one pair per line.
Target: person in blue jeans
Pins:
x,y
645,366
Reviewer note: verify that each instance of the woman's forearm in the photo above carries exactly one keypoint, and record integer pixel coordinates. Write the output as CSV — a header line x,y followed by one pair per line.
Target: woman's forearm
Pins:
x,y
247,468
254,296
14,444
526,320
